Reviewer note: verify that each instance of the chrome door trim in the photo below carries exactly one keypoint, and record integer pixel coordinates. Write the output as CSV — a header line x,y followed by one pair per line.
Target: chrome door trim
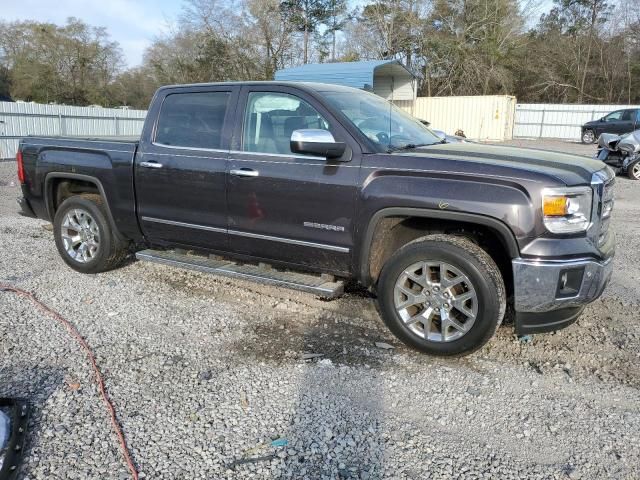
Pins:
x,y
281,155
183,224
197,149
258,236
290,241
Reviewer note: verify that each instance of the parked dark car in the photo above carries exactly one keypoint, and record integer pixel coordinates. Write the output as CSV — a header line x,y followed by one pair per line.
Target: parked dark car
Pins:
x,y
618,122
311,185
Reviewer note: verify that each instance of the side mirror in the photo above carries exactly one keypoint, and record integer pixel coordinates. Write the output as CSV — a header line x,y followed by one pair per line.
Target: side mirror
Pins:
x,y
316,142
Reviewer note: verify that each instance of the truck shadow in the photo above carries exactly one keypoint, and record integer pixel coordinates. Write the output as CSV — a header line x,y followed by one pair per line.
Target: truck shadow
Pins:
x,y
336,418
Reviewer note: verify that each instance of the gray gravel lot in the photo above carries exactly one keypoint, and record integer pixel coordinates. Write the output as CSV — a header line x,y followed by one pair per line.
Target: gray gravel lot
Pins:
x,y
206,372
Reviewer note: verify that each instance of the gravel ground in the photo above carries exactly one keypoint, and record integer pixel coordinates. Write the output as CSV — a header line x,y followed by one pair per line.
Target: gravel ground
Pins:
x,y
206,373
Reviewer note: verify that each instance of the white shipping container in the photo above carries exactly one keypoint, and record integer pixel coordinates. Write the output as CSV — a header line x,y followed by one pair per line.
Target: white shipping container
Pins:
x,y
486,117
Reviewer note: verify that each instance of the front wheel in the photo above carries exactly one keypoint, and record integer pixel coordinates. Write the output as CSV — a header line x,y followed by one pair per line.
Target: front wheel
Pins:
x,y
588,136
633,170
442,295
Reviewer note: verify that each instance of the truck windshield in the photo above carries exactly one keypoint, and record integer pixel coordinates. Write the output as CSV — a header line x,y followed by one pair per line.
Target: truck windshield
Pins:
x,y
385,124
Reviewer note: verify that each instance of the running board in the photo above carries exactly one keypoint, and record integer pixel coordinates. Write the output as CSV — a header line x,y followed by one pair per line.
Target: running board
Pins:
x,y
319,285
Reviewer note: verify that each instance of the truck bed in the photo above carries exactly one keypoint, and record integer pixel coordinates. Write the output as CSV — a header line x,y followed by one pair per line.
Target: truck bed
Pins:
x,y
106,161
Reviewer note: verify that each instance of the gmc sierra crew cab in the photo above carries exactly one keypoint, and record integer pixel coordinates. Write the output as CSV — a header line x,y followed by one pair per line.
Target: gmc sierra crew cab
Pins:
x,y
309,186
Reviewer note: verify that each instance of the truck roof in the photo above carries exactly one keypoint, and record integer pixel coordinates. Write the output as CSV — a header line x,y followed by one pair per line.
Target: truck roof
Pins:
x,y
309,86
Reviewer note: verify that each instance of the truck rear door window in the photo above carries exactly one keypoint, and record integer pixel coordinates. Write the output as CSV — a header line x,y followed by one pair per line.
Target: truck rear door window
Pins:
x,y
192,120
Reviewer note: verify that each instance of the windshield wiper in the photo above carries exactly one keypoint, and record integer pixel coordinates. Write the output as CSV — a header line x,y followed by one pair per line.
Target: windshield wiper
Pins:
x,y
410,146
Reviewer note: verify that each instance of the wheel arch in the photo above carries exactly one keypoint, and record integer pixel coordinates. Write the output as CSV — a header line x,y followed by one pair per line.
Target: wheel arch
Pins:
x,y
52,182
370,262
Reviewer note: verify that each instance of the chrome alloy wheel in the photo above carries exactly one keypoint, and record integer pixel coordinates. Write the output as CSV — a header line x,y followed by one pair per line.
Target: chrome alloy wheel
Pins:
x,y
588,136
80,235
436,301
635,170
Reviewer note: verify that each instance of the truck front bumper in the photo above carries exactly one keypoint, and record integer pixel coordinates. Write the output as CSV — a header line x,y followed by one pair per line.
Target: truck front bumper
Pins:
x,y
550,295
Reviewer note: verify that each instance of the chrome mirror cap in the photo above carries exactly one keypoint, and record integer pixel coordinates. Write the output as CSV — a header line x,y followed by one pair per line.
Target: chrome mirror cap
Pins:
x,y
313,135
314,141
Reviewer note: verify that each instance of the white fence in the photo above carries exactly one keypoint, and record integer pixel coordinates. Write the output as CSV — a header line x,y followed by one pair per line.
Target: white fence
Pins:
x,y
563,121
18,120
493,117
488,117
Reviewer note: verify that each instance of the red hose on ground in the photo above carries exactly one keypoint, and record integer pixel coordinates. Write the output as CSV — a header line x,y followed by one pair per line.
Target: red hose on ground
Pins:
x,y
92,359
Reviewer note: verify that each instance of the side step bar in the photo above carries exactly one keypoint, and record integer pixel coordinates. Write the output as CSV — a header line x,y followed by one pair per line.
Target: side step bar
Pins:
x,y
316,284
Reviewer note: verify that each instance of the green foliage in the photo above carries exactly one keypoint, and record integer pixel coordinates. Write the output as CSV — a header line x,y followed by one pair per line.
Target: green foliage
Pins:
x,y
71,64
5,82
579,51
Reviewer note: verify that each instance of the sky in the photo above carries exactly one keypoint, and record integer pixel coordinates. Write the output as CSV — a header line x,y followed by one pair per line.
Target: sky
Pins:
x,y
132,23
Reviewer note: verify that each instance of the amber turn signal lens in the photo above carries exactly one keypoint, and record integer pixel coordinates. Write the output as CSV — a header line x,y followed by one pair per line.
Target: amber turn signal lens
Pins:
x,y
555,206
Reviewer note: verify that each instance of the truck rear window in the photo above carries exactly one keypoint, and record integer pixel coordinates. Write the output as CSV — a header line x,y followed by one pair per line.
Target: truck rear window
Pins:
x,y
192,120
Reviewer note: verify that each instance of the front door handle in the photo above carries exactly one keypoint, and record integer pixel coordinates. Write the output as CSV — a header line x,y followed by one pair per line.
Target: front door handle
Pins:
x,y
244,172
151,164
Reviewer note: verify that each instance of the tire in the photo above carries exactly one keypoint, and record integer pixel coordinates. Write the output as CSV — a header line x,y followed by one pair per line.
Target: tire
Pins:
x,y
108,253
633,170
465,263
588,136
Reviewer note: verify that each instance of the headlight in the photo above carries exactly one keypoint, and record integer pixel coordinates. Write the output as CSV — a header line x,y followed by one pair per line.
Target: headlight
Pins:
x,y
567,210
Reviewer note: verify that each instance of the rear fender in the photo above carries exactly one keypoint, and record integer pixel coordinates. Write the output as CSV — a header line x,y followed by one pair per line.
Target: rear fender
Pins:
x,y
49,195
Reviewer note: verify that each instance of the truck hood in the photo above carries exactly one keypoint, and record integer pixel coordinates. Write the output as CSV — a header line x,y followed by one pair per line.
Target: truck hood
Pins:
x,y
568,169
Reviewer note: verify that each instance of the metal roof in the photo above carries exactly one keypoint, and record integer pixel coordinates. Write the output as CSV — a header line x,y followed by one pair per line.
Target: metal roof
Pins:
x,y
350,74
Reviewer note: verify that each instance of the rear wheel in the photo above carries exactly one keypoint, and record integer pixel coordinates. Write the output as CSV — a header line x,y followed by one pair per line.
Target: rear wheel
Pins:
x,y
442,295
633,170
84,236
588,136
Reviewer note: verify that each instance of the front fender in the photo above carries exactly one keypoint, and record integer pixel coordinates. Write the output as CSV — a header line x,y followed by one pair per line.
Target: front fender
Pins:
x,y
501,205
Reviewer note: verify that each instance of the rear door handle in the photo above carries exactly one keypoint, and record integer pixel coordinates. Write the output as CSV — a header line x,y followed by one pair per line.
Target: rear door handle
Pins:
x,y
244,172
151,164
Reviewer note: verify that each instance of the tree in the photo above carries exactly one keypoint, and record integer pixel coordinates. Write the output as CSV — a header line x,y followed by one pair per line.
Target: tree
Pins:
x,y
134,88
574,23
467,47
272,30
72,64
5,82
388,29
306,16
336,19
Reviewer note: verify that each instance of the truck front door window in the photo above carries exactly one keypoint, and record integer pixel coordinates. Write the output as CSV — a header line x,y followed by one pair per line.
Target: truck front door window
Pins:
x,y
271,118
613,117
192,120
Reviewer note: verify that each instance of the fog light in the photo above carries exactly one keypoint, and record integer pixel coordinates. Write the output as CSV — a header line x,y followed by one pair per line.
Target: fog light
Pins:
x,y
569,282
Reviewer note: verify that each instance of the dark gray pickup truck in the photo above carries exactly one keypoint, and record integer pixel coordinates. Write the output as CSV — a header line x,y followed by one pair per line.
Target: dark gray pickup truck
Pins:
x,y
310,186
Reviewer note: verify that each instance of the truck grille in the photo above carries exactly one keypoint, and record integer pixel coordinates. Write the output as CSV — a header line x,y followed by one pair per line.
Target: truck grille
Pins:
x,y
605,209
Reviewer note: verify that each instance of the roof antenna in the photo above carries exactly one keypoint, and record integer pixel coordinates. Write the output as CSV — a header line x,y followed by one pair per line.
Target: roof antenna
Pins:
x,y
390,110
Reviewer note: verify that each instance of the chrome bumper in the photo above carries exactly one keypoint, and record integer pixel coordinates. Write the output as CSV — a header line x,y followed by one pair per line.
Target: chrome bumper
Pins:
x,y
537,283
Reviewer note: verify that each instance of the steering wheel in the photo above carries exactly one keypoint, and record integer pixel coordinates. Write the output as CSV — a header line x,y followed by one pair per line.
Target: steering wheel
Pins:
x,y
383,138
